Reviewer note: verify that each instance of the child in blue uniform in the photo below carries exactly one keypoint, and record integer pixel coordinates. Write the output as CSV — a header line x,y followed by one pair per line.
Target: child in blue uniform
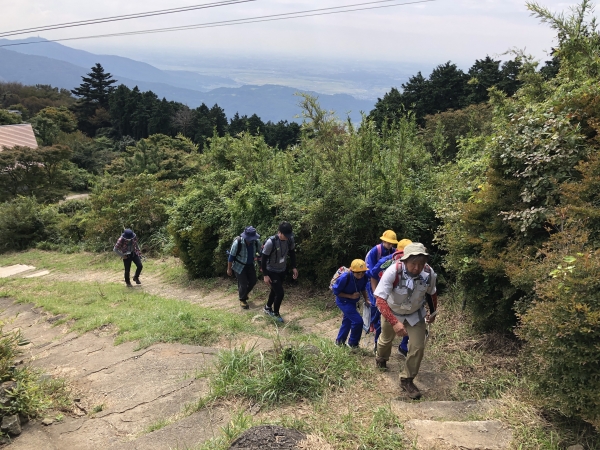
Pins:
x,y
347,289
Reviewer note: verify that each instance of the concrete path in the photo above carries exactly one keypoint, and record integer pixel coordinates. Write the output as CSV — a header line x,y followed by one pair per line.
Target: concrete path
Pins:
x,y
121,391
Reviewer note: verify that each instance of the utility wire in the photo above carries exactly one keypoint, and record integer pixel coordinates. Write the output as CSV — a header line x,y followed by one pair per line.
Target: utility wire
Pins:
x,y
268,18
123,17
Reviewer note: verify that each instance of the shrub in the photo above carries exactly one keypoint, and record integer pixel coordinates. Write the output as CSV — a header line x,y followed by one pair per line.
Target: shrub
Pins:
x,y
24,222
340,188
41,172
562,327
139,202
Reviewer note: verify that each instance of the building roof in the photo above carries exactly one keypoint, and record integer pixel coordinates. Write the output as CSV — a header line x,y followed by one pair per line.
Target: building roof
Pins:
x,y
13,135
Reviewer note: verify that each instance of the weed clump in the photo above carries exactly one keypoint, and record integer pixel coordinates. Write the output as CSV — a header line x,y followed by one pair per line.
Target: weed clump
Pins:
x,y
25,393
283,375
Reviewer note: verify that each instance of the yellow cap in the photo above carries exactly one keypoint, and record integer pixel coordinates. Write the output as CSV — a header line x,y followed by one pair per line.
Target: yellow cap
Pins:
x,y
358,265
389,236
403,243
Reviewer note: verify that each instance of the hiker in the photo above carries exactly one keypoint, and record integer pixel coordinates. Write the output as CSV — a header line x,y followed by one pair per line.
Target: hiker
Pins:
x,y
384,248
274,263
374,274
348,288
129,251
241,262
401,298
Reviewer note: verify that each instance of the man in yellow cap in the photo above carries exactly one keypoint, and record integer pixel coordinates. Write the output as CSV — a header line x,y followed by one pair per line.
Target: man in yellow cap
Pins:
x,y
347,289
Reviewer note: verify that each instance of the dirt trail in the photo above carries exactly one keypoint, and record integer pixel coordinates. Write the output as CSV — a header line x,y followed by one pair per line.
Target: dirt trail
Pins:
x,y
122,392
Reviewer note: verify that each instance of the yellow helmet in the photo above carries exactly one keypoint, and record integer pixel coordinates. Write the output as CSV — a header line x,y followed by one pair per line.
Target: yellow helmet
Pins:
x,y
358,265
403,243
389,236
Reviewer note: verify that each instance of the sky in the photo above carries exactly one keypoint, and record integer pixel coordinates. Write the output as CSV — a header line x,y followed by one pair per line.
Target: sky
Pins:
x,y
426,33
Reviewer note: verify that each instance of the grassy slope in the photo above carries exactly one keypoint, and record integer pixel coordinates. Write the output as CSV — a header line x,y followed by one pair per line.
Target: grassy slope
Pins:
x,y
482,366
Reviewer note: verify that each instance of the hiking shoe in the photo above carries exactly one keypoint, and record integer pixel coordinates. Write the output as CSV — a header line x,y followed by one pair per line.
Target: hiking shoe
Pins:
x,y
339,343
381,364
137,280
402,352
268,311
355,346
277,317
407,385
128,283
244,304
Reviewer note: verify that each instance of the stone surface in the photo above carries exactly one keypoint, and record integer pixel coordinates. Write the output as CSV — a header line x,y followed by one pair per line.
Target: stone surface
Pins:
x,y
136,388
9,271
11,425
476,435
443,410
47,422
266,437
39,273
575,447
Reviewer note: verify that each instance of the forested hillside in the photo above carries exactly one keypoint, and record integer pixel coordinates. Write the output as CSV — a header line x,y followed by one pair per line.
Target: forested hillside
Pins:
x,y
496,170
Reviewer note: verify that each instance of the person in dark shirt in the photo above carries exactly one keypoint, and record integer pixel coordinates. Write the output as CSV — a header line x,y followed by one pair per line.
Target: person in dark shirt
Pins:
x,y
273,264
347,289
241,262
129,251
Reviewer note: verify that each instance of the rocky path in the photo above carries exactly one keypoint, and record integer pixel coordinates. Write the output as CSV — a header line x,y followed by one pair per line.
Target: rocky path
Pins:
x,y
124,392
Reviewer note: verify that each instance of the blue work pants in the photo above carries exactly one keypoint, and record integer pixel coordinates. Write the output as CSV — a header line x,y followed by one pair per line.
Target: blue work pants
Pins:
x,y
352,323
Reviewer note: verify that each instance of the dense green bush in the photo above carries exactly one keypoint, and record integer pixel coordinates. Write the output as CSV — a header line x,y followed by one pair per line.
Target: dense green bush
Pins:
x,y
167,158
24,222
139,202
562,327
539,137
42,172
340,188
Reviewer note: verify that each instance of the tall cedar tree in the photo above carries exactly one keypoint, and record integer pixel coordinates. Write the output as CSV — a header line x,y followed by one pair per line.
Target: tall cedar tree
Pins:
x,y
93,103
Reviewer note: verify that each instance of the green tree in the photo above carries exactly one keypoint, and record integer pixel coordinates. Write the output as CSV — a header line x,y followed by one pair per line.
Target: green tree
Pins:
x,y
50,121
40,173
167,158
93,99
7,118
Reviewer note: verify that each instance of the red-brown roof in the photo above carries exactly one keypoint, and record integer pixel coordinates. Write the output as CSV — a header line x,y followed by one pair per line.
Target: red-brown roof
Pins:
x,y
21,134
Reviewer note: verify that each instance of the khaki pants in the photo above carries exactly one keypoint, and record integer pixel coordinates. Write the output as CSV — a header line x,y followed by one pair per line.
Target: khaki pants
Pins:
x,y
416,345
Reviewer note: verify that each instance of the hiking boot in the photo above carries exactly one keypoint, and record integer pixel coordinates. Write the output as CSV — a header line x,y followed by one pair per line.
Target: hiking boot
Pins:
x,y
128,283
277,317
244,304
354,346
381,364
268,311
411,390
339,343
137,280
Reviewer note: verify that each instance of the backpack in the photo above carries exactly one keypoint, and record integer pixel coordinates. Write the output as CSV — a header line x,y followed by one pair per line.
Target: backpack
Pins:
x,y
379,248
338,273
274,238
239,249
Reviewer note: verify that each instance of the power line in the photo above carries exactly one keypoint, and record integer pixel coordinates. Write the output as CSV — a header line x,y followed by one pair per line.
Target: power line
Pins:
x,y
268,18
123,17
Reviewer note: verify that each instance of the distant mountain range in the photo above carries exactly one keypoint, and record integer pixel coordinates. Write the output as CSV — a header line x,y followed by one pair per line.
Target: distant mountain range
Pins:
x,y
62,66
